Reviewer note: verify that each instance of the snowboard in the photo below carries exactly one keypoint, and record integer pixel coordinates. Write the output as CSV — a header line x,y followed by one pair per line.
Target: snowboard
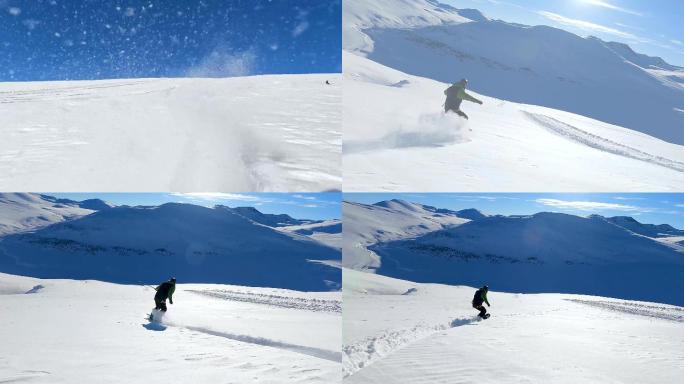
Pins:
x,y
155,316
485,317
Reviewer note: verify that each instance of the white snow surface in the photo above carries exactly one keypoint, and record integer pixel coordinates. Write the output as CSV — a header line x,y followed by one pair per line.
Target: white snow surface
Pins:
x,y
26,211
397,138
365,225
68,331
397,331
260,133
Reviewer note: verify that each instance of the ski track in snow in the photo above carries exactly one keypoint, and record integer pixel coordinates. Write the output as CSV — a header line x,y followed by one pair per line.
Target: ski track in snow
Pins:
x,y
648,310
595,141
371,349
310,351
316,305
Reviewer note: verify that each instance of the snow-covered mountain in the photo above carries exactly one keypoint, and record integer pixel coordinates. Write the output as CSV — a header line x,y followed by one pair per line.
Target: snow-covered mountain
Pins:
x,y
328,232
259,133
271,220
398,331
25,211
90,331
544,252
193,243
650,230
384,221
595,112
537,65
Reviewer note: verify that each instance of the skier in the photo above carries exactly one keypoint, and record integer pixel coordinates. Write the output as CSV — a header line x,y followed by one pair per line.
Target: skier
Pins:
x,y
164,291
481,297
455,94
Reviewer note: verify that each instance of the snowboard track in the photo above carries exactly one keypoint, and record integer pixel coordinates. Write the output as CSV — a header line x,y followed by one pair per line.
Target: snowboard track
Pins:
x,y
365,352
310,351
597,142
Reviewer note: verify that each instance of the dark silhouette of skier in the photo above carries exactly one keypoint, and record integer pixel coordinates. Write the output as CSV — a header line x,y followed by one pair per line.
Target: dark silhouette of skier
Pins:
x,y
455,95
481,297
164,291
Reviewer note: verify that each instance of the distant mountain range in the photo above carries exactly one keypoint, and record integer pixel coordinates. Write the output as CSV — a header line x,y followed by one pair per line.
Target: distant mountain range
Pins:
x,y
544,252
149,244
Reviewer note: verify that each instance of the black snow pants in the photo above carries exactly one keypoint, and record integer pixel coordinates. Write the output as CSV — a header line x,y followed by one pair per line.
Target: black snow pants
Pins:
x,y
452,104
481,308
160,304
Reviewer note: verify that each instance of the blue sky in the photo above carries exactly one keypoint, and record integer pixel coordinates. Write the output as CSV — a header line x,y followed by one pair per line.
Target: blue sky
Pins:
x,y
650,27
97,39
315,206
651,208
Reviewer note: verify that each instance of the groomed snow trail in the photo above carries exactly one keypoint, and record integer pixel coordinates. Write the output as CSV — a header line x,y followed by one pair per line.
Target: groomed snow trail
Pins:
x,y
260,133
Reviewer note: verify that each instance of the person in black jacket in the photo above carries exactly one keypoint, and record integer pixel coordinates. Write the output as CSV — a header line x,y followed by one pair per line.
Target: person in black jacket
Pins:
x,y
164,291
481,297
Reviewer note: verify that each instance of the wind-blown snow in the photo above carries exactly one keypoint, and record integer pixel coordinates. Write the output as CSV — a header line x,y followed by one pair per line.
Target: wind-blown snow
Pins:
x,y
433,336
261,133
86,331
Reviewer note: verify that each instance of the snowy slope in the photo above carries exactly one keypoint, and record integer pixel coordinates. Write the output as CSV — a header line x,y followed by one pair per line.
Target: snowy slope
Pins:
x,y
25,211
67,331
328,232
432,336
260,133
544,252
365,225
533,65
398,139
359,15
193,243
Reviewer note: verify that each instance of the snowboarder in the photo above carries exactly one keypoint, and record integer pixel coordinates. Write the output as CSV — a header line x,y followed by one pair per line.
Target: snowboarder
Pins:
x,y
164,291
455,94
481,297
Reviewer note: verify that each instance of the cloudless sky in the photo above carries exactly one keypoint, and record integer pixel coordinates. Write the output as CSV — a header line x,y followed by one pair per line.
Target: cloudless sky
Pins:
x,y
98,39
650,208
650,27
316,206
